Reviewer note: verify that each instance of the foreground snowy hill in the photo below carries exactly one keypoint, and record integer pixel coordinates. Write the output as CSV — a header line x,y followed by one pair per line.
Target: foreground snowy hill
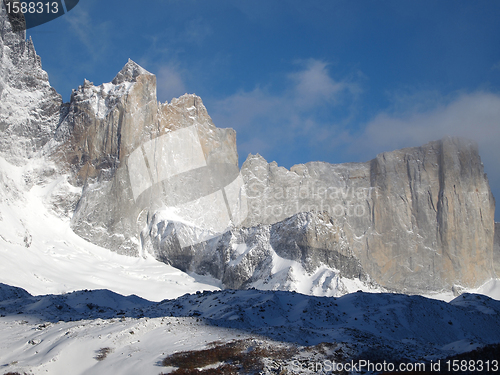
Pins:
x,y
40,253
101,332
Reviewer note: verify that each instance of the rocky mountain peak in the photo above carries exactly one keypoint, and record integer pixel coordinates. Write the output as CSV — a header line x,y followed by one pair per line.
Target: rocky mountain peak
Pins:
x,y
129,73
187,110
7,34
29,106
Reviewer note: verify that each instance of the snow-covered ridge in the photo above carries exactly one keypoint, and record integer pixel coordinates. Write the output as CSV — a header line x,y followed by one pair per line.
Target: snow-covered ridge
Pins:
x,y
103,98
368,326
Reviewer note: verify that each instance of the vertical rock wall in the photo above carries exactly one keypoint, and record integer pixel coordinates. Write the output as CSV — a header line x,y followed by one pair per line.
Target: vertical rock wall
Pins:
x,y
417,219
29,106
104,125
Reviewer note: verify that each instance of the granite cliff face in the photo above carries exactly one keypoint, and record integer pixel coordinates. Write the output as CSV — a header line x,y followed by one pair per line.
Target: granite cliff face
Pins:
x,y
121,145
418,218
300,253
29,106
162,179
413,220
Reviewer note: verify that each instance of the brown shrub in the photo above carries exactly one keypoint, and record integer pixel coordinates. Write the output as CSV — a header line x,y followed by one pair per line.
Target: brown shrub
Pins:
x,y
221,370
102,353
201,358
246,355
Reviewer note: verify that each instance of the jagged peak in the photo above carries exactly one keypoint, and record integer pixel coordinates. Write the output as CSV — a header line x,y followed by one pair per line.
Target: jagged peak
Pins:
x,y
130,72
187,100
253,160
256,156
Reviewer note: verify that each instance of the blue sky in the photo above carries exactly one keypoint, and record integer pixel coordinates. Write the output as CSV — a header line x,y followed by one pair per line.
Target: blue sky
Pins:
x,y
327,80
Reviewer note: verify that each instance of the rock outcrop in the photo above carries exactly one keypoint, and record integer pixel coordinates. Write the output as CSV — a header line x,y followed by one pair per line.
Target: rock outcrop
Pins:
x,y
417,219
123,146
29,106
414,220
302,253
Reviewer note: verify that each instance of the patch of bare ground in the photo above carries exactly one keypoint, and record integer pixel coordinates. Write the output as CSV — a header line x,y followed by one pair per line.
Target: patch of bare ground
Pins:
x,y
236,357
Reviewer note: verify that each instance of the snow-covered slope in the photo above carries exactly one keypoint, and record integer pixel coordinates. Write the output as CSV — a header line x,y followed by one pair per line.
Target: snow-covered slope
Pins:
x,y
40,253
490,288
84,309
72,332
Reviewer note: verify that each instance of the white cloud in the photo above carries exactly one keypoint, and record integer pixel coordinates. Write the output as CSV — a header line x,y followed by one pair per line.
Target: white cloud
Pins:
x,y
88,32
169,83
313,85
287,126
474,116
259,118
282,124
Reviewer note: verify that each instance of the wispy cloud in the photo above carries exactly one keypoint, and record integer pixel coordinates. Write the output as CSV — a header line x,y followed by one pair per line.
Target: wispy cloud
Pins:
x,y
169,83
196,31
88,32
314,86
293,120
474,116
290,126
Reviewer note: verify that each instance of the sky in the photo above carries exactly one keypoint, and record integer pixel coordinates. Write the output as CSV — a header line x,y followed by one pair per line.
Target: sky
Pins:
x,y
318,80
